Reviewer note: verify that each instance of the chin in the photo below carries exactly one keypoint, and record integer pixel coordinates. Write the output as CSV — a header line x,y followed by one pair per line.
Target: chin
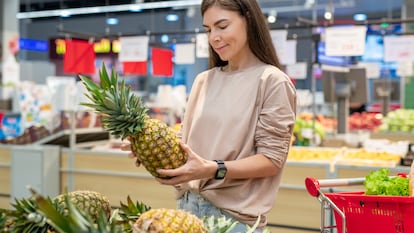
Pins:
x,y
223,58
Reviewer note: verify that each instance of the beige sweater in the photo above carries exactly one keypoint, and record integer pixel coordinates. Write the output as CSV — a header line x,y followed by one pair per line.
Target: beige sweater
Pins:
x,y
234,115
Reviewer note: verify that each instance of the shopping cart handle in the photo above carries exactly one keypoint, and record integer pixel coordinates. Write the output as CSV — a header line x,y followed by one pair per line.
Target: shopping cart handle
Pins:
x,y
313,185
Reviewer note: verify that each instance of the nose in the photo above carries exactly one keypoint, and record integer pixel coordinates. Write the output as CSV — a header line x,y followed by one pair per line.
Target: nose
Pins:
x,y
214,36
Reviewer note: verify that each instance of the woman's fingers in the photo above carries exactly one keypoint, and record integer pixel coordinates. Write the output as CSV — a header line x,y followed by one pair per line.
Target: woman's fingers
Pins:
x,y
137,162
125,147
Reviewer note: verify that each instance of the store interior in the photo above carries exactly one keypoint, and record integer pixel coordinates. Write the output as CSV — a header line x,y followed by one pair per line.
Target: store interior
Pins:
x,y
355,109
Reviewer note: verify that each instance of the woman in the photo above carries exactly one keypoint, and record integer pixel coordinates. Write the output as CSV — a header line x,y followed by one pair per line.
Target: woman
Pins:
x,y
239,119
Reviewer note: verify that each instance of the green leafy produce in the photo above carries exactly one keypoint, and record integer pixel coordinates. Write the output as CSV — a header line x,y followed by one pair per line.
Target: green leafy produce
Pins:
x,y
380,183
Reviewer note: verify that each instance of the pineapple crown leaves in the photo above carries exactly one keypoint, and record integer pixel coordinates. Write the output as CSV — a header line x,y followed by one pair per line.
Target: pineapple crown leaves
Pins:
x,y
130,212
123,112
3,220
224,224
24,217
221,224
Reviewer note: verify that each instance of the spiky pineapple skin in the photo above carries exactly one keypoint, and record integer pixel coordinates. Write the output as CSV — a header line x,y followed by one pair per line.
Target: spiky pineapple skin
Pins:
x,y
164,220
89,201
157,147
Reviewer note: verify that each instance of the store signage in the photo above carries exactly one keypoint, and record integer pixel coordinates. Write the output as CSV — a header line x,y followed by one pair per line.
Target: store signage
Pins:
x,y
135,48
103,46
399,48
33,45
345,40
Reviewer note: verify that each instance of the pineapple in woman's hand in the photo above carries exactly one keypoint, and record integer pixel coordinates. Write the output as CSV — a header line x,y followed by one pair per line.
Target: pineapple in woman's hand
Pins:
x,y
123,114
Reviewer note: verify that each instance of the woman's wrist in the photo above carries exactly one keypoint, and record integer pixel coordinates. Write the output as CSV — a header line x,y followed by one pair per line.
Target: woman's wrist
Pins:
x,y
211,168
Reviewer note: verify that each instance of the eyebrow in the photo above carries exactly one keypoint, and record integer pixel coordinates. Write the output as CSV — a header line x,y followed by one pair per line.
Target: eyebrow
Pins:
x,y
217,22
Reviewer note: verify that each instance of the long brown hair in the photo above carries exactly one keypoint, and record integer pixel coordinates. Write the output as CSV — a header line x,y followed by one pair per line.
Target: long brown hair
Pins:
x,y
258,35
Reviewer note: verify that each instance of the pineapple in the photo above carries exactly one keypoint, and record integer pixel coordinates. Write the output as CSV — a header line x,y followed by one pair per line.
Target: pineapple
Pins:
x,y
168,220
89,201
89,212
124,115
75,219
26,218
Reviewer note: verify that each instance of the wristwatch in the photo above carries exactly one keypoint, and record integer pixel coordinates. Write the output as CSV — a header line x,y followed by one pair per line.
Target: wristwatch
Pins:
x,y
221,170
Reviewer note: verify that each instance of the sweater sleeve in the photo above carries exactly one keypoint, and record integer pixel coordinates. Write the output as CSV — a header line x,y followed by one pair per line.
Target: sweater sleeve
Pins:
x,y
277,112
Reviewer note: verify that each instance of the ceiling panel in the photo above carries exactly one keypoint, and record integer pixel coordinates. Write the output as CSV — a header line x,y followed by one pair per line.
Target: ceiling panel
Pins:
x,y
284,8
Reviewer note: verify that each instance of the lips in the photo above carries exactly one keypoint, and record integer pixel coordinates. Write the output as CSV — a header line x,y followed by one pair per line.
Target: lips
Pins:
x,y
219,49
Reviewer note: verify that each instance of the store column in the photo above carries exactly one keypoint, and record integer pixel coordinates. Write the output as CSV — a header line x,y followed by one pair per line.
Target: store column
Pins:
x,y
409,14
9,45
408,84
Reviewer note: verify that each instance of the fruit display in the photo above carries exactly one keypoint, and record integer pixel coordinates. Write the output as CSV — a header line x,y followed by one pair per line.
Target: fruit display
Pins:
x,y
176,221
400,120
348,156
92,202
123,114
26,218
364,121
311,154
307,130
372,158
87,212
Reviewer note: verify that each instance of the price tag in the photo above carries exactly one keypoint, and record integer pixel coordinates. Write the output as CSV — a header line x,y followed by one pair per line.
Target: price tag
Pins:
x,y
345,41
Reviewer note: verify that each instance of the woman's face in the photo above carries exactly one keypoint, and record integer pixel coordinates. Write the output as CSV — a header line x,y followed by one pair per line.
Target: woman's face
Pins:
x,y
226,31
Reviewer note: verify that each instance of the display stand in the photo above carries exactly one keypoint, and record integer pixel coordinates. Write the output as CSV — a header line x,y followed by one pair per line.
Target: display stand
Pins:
x,y
343,86
383,90
343,93
37,167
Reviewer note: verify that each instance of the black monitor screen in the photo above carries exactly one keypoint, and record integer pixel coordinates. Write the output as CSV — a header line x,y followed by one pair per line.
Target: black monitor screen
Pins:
x,y
355,77
385,84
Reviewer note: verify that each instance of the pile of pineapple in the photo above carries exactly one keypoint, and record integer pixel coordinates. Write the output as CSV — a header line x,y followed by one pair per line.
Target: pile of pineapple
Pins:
x,y
90,212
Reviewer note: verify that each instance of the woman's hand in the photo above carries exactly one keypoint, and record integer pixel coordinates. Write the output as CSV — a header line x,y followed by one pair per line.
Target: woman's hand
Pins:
x,y
131,155
195,168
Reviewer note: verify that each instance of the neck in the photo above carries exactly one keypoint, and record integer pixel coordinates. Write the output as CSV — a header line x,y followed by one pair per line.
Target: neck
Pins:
x,y
242,64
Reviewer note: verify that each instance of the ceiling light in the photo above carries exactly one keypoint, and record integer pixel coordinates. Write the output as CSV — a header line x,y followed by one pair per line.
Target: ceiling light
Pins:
x,y
172,17
135,8
328,15
272,16
271,19
112,21
360,17
65,13
309,3
164,38
108,9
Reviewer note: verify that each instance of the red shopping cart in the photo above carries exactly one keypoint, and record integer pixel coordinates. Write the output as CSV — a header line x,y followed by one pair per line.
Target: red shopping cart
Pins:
x,y
355,212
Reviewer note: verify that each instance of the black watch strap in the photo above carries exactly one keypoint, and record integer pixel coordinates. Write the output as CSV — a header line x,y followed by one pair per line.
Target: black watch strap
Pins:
x,y
221,170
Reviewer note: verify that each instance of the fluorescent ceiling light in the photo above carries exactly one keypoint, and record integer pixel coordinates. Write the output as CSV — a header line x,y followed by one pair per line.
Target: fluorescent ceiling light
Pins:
x,y
65,13
135,8
108,9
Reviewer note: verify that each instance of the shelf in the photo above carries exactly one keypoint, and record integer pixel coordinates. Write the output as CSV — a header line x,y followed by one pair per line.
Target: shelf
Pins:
x,y
82,136
394,136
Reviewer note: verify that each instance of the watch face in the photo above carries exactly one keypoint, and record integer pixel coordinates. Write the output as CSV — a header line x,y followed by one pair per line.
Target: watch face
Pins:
x,y
221,173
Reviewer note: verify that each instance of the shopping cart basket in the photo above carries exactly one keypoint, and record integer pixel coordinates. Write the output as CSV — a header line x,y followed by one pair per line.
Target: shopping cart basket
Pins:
x,y
355,212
